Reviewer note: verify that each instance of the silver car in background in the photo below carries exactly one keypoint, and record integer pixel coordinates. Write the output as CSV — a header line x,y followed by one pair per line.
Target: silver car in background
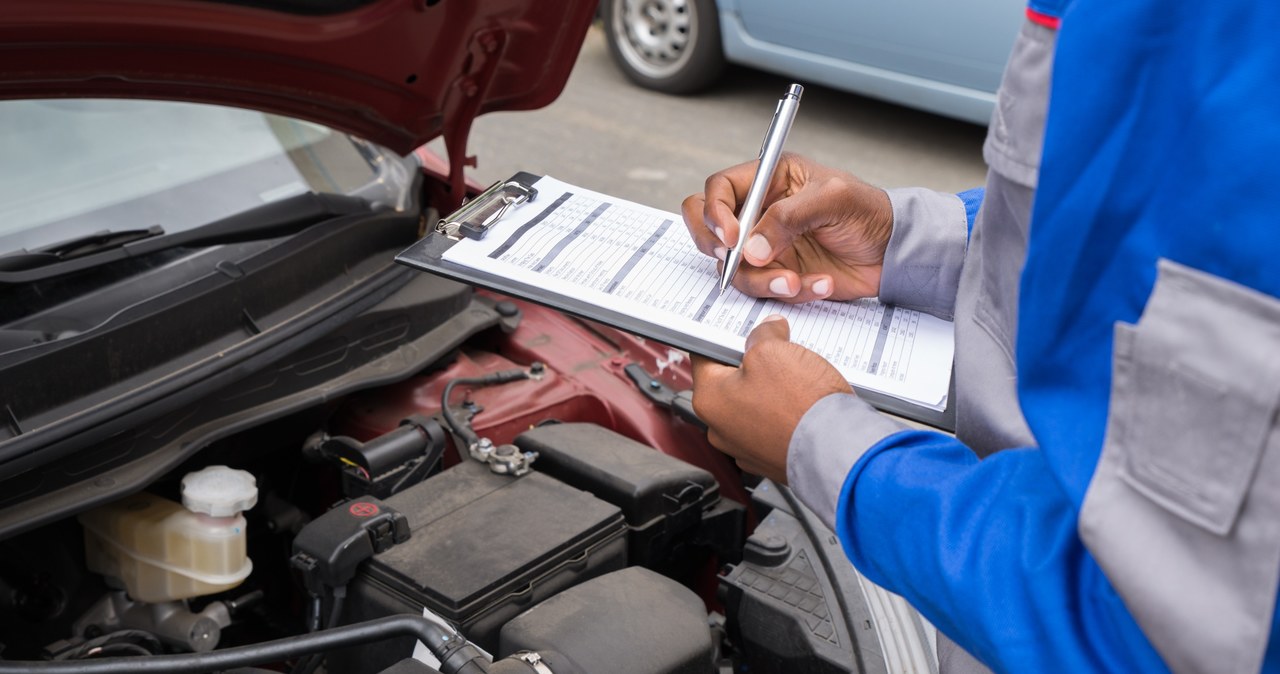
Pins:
x,y
937,55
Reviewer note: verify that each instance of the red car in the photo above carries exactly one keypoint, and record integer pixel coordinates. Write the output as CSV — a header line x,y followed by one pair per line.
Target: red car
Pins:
x,y
234,434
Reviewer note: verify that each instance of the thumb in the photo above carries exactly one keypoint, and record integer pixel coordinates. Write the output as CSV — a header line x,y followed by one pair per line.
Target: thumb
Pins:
x,y
772,328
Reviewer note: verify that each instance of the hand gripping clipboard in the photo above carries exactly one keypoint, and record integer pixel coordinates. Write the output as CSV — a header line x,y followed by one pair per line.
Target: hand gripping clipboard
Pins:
x,y
478,215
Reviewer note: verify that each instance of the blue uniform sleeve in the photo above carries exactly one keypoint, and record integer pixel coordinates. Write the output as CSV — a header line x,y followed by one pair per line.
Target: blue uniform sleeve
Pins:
x,y
972,200
988,552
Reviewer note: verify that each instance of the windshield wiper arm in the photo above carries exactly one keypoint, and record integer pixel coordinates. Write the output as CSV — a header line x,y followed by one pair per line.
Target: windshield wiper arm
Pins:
x,y
275,219
278,218
98,241
80,246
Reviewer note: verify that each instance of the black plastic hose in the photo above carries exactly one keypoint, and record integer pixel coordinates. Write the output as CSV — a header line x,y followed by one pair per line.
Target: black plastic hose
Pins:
x,y
449,648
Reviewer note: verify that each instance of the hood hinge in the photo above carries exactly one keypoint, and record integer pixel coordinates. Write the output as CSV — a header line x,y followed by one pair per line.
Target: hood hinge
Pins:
x,y
462,106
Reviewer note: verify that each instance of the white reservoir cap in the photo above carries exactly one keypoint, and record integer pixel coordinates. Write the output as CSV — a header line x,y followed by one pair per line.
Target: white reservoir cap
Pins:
x,y
219,491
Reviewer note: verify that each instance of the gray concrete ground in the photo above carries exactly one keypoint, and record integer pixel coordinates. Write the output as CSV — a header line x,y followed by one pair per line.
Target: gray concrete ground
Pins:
x,y
605,134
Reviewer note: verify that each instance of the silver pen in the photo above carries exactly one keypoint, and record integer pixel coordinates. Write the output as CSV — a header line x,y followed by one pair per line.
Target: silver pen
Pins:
x,y
770,151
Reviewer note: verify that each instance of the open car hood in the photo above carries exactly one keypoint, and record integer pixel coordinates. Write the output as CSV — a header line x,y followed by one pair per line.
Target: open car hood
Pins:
x,y
395,72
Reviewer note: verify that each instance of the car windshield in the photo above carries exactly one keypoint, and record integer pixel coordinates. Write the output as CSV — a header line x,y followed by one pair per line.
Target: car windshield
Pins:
x,y
72,167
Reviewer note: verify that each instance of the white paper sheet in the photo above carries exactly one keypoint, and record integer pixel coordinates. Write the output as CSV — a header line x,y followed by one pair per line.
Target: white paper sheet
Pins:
x,y
640,261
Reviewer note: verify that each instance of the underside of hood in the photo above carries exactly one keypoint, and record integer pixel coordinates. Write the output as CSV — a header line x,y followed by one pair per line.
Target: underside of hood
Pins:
x,y
395,72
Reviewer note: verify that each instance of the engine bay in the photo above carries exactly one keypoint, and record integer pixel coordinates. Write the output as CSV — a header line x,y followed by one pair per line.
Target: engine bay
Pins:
x,y
539,497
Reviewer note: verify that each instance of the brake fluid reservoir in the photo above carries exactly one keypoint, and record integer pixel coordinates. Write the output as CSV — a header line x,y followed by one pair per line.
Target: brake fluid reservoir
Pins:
x,y
161,551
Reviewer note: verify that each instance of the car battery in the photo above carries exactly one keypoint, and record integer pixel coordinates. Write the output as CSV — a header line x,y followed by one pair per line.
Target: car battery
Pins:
x,y
484,547
665,500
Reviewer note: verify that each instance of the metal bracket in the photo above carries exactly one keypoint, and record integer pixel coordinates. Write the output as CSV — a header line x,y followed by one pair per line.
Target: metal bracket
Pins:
x,y
476,216
680,403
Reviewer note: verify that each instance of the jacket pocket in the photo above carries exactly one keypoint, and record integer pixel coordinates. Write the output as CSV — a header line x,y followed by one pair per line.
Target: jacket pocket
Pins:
x,y
1196,411
1183,512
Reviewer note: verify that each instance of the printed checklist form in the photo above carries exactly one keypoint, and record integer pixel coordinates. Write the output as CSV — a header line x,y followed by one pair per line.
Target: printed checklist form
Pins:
x,y
637,261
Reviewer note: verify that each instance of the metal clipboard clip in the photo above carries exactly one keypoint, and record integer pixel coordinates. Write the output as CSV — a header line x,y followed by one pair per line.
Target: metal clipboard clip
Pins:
x,y
476,216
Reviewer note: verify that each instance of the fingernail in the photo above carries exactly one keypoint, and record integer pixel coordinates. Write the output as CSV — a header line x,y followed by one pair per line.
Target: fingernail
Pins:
x,y
822,287
757,247
721,252
719,235
778,286
773,317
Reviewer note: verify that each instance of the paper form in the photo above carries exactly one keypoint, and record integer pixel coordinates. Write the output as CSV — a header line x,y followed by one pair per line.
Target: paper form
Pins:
x,y
640,261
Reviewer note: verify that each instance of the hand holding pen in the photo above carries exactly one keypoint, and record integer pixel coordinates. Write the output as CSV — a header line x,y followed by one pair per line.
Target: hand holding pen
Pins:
x,y
822,233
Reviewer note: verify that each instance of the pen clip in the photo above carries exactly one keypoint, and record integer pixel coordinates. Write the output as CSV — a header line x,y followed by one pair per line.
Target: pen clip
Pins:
x,y
769,132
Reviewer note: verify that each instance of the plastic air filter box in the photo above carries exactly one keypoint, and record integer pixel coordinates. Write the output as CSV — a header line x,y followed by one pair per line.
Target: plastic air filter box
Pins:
x,y
663,498
632,621
484,548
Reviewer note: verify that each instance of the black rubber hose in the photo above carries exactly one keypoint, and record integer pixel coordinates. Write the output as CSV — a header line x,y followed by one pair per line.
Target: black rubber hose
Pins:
x,y
335,606
461,427
445,646
309,665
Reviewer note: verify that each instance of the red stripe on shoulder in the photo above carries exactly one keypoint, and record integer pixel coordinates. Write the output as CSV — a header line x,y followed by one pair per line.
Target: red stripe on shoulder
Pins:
x,y
1040,18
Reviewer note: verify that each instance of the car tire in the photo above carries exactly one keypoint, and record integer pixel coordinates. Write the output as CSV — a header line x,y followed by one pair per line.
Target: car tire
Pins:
x,y
672,46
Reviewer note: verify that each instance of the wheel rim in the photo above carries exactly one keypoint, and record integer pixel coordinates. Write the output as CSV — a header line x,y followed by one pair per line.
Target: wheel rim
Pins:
x,y
656,37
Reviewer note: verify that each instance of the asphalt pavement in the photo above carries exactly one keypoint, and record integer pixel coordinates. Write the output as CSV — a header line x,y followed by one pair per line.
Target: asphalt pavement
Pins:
x,y
606,134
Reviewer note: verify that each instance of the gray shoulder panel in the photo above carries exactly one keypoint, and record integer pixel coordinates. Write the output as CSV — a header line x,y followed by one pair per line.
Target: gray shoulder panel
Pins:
x,y
1016,135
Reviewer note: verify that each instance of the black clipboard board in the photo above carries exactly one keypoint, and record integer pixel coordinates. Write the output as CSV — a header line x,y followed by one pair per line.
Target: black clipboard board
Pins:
x,y
477,215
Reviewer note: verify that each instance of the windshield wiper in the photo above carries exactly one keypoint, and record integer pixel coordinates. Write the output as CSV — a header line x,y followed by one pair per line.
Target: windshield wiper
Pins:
x,y
71,249
278,218
104,240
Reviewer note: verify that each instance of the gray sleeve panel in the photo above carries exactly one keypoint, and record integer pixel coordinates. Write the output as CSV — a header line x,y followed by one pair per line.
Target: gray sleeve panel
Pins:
x,y
926,251
955,660
1181,511
831,437
988,414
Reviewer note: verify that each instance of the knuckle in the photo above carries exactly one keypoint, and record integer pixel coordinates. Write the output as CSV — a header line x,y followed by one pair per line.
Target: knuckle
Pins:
x,y
758,356
773,350
714,181
790,157
699,404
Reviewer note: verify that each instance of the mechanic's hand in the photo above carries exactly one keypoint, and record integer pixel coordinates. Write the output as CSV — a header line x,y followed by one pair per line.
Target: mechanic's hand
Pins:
x,y
822,235
751,411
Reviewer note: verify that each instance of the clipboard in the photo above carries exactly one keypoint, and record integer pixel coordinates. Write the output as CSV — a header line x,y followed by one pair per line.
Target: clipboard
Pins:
x,y
474,219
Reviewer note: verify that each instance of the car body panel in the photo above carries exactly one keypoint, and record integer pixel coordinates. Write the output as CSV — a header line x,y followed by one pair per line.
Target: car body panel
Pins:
x,y
933,55
394,72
